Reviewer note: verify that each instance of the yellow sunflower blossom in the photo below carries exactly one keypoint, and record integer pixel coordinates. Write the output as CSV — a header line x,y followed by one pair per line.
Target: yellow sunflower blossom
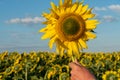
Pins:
x,y
69,26
34,66
65,68
17,68
0,76
58,68
119,72
110,75
50,73
64,76
8,70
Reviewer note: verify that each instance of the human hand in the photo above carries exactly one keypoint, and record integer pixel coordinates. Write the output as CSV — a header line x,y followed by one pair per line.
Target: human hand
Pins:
x,y
79,72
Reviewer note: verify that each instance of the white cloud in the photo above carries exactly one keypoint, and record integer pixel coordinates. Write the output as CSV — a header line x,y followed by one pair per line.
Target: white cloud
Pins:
x,y
100,9
115,7
16,20
26,20
109,18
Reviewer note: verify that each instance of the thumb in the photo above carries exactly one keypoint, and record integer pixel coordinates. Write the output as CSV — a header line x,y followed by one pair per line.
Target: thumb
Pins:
x,y
76,62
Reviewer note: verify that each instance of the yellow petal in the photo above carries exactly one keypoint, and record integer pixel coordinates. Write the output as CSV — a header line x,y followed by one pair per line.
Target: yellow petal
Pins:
x,y
46,22
90,35
55,14
62,10
58,41
46,15
68,2
48,27
84,8
52,40
75,48
43,29
53,20
60,3
73,8
92,21
82,43
58,11
91,24
88,14
62,52
54,7
89,11
68,10
69,49
79,45
58,48
48,34
79,9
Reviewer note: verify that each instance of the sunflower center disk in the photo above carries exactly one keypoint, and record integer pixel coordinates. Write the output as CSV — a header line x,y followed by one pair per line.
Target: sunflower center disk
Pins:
x,y
70,26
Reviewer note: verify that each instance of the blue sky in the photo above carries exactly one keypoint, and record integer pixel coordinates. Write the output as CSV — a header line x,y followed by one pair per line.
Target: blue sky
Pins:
x,y
20,21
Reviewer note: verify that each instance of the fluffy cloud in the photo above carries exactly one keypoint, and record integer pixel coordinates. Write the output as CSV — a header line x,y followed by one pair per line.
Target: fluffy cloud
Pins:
x,y
26,20
114,8
100,9
109,19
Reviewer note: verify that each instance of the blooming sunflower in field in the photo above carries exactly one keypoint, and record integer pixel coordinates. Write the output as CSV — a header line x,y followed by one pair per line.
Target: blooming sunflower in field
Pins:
x,y
69,26
111,75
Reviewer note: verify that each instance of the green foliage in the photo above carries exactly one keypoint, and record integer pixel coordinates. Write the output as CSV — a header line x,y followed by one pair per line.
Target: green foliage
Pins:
x,y
52,66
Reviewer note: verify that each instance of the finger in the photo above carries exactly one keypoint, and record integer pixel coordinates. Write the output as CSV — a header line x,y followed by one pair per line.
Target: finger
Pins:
x,y
73,65
72,78
77,62
76,77
82,74
76,73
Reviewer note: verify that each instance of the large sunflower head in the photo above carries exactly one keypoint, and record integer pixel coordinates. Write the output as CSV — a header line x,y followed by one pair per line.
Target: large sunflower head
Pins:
x,y
69,25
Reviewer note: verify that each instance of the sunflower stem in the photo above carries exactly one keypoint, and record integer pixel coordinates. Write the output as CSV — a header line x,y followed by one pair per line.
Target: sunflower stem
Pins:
x,y
73,58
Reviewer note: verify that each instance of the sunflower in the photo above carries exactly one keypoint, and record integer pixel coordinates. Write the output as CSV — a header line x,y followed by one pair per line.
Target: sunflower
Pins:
x,y
69,26
0,76
110,75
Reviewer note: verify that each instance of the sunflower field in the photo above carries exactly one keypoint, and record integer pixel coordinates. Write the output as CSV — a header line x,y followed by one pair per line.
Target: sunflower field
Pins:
x,y
52,66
